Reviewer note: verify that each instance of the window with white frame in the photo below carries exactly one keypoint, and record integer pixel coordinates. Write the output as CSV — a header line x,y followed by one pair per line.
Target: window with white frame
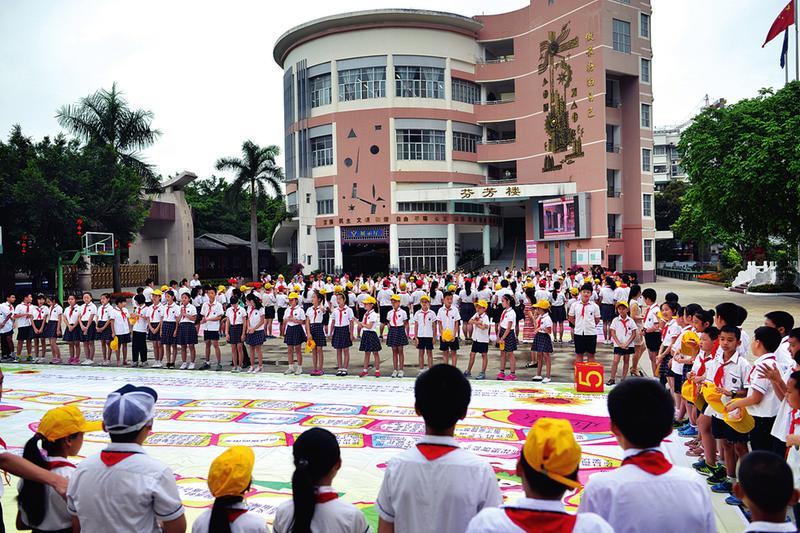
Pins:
x,y
320,87
465,142
324,207
621,35
648,250
322,151
362,83
419,144
423,254
646,109
466,91
646,159
659,149
647,205
419,82
645,76
644,25
422,207
325,251
466,207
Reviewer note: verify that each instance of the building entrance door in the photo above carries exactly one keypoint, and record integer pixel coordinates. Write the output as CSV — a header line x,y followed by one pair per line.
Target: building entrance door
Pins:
x,y
365,258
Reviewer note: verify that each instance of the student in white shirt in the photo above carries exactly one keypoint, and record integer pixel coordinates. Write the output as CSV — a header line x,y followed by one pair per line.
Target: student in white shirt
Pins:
x,y
154,314
548,466
647,493
583,316
235,317
315,505
766,487
148,291
229,479
140,317
23,319
315,329
542,345
212,315
254,331
623,333
340,330
86,327
103,327
669,333
606,301
651,327
40,318
186,332
424,322
120,328
398,335
71,336
169,327
408,500
52,330
448,319
479,326
7,328
369,326
294,319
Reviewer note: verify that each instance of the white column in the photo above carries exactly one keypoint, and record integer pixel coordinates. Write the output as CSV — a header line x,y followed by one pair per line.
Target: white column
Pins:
x,y
394,248
451,247
487,244
337,248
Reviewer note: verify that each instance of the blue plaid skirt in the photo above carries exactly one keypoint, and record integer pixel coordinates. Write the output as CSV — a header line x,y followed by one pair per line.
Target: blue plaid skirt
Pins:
x,y
50,329
235,334
341,337
187,334
155,337
211,335
369,342
91,332
397,336
71,336
104,335
257,338
318,334
542,342
38,324
510,342
167,329
295,335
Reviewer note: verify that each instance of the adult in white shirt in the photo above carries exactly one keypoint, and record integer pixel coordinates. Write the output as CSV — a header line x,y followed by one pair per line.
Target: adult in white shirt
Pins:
x,y
195,282
7,327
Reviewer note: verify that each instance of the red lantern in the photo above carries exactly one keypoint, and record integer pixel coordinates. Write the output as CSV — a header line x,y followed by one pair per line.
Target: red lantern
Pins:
x,y
79,224
130,244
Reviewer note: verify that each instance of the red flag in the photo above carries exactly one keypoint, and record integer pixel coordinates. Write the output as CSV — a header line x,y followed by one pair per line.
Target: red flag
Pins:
x,y
784,20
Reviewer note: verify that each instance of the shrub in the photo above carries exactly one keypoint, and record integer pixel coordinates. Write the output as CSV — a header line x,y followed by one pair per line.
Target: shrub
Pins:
x,y
771,288
718,277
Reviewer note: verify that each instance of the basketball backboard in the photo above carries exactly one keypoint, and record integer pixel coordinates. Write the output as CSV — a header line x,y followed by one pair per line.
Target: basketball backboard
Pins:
x,y
97,243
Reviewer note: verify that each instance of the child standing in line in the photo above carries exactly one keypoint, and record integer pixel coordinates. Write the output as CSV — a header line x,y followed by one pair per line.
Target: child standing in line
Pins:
x,y
651,327
584,315
669,332
542,341
369,327
155,313
424,321
707,445
169,328
315,330
71,336
103,327
398,335
479,326
52,329
40,318
212,314
270,301
507,339
141,320
294,336
186,334
235,318
255,336
120,328
624,334
87,313
281,303
341,332
606,300
766,487
23,317
448,319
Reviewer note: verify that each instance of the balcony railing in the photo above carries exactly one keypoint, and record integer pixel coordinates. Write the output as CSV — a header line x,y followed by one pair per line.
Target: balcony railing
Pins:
x,y
612,192
293,210
501,59
506,100
504,179
498,141
612,148
614,234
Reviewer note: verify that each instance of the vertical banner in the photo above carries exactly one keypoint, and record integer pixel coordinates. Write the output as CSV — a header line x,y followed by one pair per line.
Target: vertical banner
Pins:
x,y
531,252
582,257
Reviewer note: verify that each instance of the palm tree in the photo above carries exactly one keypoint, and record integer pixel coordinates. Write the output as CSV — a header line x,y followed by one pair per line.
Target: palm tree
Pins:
x,y
256,172
105,119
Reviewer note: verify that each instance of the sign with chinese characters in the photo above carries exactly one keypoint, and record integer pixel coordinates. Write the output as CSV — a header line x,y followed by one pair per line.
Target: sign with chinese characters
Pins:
x,y
490,192
365,234
531,254
595,256
582,257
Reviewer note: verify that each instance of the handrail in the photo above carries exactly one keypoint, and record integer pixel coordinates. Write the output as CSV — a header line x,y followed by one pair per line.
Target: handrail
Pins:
x,y
496,102
498,141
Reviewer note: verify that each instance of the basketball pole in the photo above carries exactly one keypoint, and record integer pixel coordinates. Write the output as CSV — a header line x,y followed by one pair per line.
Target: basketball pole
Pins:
x,y
60,280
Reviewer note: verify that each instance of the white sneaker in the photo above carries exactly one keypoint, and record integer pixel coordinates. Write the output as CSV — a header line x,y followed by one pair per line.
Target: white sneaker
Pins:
x,y
394,373
191,366
546,380
86,362
157,364
184,366
234,370
143,364
400,374
257,370
251,370
289,371
298,369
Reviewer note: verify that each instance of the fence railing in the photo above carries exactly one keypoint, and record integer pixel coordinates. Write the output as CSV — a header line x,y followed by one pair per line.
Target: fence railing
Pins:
x,y
102,275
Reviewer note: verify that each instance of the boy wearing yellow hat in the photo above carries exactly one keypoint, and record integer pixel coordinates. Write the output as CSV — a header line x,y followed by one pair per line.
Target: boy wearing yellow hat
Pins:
x,y
447,326
548,467
647,493
479,325
229,480
623,334
424,321
61,434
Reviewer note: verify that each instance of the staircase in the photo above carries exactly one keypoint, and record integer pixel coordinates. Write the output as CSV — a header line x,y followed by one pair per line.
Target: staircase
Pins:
x,y
740,288
506,256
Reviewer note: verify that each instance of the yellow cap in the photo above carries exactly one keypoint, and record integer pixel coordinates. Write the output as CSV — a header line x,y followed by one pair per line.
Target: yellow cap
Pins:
x,y
552,450
364,286
164,288
740,420
574,291
328,278
447,335
221,288
114,344
296,287
690,344
157,292
660,315
231,473
349,285
451,288
542,304
622,303
424,298
338,288
310,345
395,297
64,421
323,291
268,286
712,397
280,276
293,296
369,300
402,284
482,303
497,286
244,288
528,285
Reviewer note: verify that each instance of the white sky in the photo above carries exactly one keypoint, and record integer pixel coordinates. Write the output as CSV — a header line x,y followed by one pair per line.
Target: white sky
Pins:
x,y
205,68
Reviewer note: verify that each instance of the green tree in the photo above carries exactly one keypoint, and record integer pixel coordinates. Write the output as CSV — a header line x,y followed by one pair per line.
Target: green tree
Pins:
x,y
744,165
668,204
256,173
104,120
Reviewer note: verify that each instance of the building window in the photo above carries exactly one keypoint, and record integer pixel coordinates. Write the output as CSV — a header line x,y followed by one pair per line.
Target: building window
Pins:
x,y
422,207
646,115
466,91
322,151
465,207
659,149
419,82
621,35
425,145
320,87
423,255
644,25
324,207
647,205
465,142
645,76
326,256
648,250
361,83
646,159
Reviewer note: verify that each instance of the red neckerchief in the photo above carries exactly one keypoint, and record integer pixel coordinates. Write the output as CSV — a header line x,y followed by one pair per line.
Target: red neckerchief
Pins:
x,y
434,451
124,314
750,375
235,312
539,322
110,458
366,317
250,315
85,307
647,313
324,497
394,317
541,521
625,326
703,360
720,374
795,421
71,311
27,309
39,312
233,514
651,461
664,331
715,347
51,465
503,316
102,311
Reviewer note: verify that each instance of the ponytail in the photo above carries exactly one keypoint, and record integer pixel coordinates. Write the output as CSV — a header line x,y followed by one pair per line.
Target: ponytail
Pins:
x,y
316,453
303,497
32,494
556,287
219,522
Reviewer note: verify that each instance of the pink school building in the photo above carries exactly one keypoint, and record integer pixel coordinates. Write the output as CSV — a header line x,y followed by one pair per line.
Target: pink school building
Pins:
x,y
420,139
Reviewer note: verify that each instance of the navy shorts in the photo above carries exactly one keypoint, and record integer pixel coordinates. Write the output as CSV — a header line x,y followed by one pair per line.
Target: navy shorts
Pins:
x,y
721,430
585,344
480,347
449,346
424,343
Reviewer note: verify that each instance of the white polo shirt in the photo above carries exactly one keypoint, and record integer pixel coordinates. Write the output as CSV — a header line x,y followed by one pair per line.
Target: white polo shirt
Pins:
x,y
670,333
132,495
188,313
254,318
296,313
770,404
508,318
586,316
140,326
384,297
7,315
396,317
332,516
148,295
734,378
447,318
424,321
478,334
120,318
371,317
209,310
24,309
650,317
241,523
523,514
340,317
625,330
56,516
543,322
440,495
625,499
235,315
